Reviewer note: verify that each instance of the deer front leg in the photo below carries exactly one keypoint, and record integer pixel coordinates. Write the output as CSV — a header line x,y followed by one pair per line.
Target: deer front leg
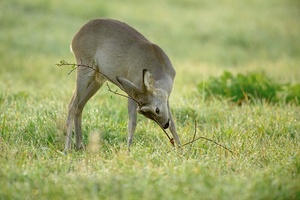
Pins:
x,y
173,129
132,115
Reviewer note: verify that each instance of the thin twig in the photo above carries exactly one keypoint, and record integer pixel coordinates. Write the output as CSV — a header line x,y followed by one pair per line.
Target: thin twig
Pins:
x,y
205,138
115,92
170,139
75,66
201,137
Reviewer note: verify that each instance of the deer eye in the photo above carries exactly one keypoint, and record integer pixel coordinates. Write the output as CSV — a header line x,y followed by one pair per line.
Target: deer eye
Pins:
x,y
157,111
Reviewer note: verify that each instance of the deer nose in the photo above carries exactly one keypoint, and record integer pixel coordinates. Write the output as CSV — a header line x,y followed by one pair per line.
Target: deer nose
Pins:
x,y
167,125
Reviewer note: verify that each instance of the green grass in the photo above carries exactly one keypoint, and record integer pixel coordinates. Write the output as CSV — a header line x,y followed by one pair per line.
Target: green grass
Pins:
x,y
203,39
250,87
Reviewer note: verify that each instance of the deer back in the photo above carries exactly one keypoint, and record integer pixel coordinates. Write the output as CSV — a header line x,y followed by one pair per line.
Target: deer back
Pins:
x,y
117,49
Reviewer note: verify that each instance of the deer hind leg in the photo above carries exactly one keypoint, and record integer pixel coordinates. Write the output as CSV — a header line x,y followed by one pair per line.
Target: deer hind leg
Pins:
x,y
69,123
88,83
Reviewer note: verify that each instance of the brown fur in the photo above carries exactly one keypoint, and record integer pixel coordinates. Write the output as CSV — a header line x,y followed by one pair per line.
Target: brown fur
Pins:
x,y
130,61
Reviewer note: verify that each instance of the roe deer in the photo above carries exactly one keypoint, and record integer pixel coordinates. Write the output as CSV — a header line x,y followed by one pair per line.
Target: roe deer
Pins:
x,y
116,52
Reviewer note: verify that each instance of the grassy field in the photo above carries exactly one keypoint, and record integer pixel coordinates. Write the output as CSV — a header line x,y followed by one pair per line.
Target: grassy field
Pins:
x,y
203,39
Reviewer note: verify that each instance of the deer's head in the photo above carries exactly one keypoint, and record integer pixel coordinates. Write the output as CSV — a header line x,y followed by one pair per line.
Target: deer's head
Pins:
x,y
152,100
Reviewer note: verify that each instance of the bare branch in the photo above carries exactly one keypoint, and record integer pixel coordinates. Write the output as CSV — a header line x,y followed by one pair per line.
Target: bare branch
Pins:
x,y
115,92
75,66
201,137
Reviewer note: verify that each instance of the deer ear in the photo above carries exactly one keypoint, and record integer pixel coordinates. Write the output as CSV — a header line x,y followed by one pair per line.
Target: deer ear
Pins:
x,y
148,80
144,109
130,88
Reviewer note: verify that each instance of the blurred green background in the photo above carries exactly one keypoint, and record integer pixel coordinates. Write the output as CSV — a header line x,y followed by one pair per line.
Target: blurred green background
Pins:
x,y
201,37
